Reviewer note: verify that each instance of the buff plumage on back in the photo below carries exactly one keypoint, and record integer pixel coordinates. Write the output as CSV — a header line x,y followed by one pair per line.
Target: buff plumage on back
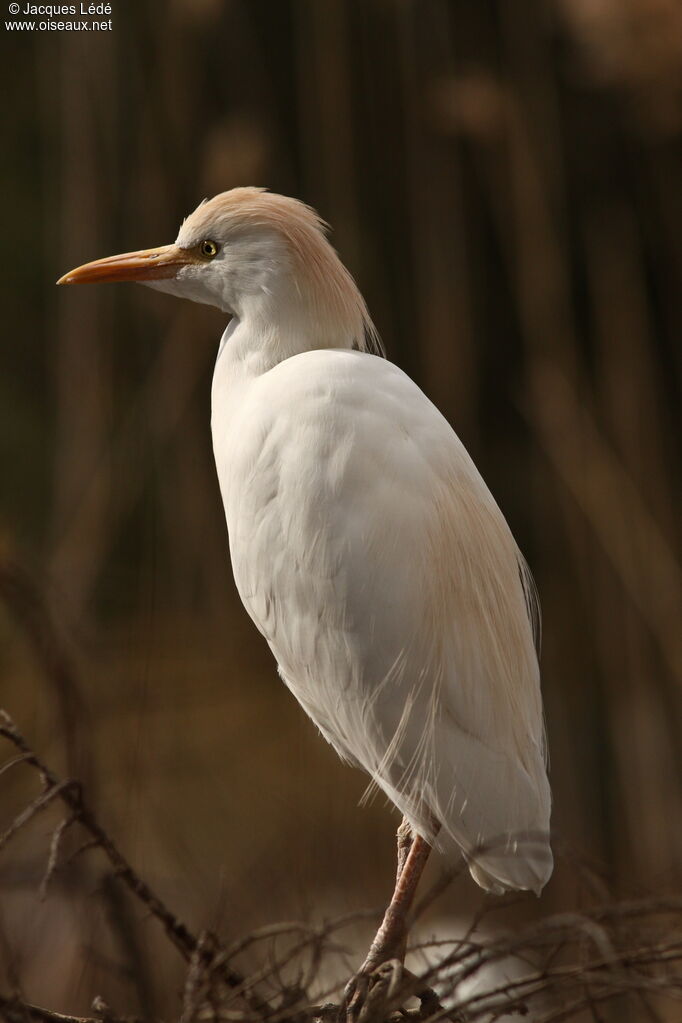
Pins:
x,y
486,616
466,762
316,265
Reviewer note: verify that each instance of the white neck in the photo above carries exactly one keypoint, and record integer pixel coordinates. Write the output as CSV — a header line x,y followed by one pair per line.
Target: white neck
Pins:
x,y
251,346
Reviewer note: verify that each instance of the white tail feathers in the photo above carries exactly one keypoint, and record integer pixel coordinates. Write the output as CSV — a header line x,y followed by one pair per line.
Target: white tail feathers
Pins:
x,y
475,801
494,810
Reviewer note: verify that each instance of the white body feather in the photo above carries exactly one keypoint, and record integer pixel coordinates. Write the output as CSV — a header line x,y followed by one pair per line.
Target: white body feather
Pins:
x,y
372,557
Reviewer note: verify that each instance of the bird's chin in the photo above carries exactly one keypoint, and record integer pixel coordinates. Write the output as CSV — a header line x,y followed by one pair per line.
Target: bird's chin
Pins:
x,y
185,287
171,287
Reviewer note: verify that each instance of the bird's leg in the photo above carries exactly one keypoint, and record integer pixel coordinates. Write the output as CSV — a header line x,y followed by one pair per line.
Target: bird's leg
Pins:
x,y
391,938
389,941
404,841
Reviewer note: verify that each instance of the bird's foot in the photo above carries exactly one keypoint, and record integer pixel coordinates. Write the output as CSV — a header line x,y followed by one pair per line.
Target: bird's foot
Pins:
x,y
375,993
370,993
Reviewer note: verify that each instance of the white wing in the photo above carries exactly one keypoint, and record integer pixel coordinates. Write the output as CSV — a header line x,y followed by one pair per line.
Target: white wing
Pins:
x,y
371,555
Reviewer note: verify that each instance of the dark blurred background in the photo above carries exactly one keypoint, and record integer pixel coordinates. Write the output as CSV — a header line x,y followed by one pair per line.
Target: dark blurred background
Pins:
x,y
503,179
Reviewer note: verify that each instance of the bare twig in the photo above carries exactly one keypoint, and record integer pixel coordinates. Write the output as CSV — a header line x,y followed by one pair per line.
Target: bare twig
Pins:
x,y
14,1010
53,858
71,794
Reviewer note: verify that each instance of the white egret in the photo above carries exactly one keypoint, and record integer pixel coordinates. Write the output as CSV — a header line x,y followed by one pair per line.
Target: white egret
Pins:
x,y
365,545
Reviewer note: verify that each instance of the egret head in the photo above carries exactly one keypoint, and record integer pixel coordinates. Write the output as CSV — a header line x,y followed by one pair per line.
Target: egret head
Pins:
x,y
253,254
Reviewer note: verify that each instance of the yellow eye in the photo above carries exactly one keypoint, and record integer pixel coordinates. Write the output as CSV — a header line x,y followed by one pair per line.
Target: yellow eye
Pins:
x,y
208,248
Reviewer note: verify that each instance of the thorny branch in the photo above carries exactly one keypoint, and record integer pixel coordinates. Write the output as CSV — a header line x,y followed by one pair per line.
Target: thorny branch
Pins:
x,y
70,793
564,964
14,1010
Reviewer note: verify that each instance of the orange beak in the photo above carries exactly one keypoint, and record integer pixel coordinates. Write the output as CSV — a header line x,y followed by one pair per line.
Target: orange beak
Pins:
x,y
145,265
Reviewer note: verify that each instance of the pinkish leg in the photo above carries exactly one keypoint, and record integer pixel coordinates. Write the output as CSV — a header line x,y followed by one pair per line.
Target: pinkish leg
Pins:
x,y
391,938
389,941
